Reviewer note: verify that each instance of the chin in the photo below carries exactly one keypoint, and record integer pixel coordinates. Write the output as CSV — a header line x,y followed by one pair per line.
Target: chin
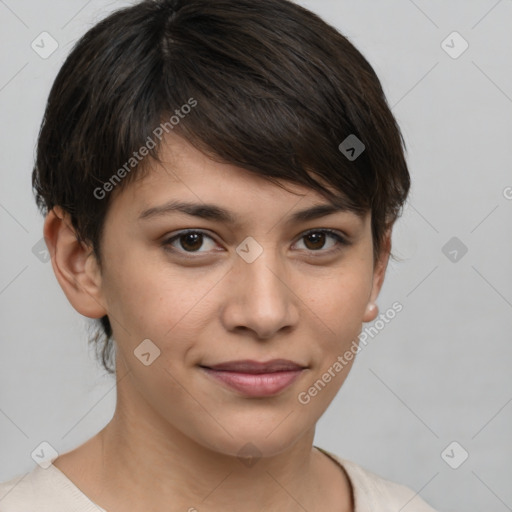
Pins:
x,y
250,442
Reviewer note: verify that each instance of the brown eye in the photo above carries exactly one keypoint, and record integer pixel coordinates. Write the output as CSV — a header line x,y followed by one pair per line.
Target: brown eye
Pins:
x,y
188,242
316,240
191,241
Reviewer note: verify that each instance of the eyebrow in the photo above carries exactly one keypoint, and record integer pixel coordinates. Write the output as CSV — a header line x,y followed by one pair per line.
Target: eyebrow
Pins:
x,y
216,213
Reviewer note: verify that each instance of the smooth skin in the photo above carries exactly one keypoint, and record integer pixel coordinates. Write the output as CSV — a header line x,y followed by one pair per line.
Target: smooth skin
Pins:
x,y
176,433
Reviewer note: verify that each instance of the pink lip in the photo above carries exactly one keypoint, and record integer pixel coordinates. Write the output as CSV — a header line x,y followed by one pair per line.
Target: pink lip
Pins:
x,y
256,379
251,384
250,366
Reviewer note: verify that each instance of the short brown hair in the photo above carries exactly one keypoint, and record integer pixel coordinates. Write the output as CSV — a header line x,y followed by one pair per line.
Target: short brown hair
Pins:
x,y
276,88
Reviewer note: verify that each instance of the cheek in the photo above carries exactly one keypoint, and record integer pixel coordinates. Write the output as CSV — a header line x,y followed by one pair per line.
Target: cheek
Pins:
x,y
337,305
163,303
339,299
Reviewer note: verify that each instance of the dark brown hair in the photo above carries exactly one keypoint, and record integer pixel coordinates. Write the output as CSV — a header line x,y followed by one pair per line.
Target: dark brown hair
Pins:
x,y
276,91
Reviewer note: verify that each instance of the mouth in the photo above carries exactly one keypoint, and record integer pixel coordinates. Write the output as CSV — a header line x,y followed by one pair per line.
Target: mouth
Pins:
x,y
256,379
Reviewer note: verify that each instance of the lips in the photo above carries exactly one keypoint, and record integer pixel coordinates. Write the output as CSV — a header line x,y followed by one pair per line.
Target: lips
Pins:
x,y
255,379
255,367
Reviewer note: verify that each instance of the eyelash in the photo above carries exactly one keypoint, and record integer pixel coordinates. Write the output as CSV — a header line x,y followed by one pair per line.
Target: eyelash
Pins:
x,y
342,241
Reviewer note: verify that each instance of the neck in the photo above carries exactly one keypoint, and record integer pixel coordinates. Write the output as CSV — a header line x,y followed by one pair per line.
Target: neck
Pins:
x,y
139,462
152,468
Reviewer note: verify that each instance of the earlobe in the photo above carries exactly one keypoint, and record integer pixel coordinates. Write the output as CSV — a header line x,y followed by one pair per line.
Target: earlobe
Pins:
x,y
372,310
74,264
379,274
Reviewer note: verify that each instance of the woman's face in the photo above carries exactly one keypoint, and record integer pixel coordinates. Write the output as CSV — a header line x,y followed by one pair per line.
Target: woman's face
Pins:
x,y
259,288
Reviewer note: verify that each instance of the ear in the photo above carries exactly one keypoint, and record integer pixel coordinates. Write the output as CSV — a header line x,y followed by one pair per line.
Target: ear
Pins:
x,y
74,264
379,273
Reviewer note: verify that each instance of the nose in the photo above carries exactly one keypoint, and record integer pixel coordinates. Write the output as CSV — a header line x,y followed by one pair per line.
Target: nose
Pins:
x,y
260,298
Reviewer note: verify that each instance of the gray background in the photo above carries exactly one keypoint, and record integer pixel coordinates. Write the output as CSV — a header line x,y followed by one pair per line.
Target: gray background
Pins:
x,y
438,373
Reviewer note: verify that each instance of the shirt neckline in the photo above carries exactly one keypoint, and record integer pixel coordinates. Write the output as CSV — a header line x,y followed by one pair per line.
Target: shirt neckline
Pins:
x,y
351,478
79,495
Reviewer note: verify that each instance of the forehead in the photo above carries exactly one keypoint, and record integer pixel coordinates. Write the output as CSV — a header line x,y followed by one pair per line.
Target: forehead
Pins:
x,y
188,181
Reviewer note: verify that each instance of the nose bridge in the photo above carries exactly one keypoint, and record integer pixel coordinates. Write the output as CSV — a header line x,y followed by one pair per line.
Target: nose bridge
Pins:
x,y
263,276
260,269
261,300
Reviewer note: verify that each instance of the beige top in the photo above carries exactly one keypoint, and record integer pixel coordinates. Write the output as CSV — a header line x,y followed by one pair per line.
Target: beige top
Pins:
x,y
50,490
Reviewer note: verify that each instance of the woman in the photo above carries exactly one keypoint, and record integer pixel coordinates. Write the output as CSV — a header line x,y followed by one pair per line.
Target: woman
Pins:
x,y
220,181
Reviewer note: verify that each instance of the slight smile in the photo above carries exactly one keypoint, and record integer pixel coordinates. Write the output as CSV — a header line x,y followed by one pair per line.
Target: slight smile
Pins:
x,y
256,379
